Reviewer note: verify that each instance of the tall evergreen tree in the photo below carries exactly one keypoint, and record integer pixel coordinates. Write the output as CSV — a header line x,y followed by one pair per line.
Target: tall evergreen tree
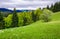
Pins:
x,y
51,8
33,16
47,6
2,22
14,19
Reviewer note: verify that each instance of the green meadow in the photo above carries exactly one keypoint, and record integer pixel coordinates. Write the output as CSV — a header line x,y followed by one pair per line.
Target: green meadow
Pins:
x,y
37,30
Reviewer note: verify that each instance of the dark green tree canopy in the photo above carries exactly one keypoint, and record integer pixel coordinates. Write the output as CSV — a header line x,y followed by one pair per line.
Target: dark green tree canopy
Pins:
x,y
14,19
55,7
2,22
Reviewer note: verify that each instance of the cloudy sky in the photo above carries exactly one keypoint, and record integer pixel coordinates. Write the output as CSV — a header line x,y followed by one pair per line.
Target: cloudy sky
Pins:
x,y
25,4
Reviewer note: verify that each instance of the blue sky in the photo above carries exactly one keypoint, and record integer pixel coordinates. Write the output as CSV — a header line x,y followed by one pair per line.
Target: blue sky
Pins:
x,y
25,4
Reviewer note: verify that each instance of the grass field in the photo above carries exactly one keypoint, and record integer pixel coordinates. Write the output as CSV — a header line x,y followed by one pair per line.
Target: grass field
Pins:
x,y
37,30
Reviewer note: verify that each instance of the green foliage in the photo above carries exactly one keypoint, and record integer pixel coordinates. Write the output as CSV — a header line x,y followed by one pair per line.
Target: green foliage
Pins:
x,y
20,19
2,22
46,16
26,18
14,19
51,8
24,21
33,16
55,7
36,14
8,21
48,7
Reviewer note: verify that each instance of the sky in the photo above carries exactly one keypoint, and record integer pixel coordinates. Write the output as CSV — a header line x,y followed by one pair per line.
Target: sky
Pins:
x,y
25,4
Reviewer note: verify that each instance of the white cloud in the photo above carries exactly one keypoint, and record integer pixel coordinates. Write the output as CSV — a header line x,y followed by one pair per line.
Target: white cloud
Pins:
x,y
25,4
28,8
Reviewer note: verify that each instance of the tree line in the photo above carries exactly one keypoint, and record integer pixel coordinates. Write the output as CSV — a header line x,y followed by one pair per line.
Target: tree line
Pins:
x,y
55,7
25,18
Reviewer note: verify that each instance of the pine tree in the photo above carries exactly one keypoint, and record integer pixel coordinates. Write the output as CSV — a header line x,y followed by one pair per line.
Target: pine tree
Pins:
x,y
47,6
14,19
51,8
2,22
33,16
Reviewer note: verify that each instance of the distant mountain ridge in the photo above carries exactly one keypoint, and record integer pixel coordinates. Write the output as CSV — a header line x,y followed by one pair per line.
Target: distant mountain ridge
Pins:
x,y
8,10
5,10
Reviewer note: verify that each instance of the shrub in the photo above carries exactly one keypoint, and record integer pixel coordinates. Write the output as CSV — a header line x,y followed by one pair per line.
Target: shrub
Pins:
x,y
46,15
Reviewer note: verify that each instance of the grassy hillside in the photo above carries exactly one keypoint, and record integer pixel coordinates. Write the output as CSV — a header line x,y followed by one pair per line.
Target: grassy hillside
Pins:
x,y
56,16
38,30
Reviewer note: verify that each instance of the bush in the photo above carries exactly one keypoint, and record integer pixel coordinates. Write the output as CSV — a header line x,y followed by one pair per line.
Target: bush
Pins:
x,y
46,15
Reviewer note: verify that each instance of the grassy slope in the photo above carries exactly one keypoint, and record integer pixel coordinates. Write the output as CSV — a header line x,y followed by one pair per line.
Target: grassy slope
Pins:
x,y
56,16
38,30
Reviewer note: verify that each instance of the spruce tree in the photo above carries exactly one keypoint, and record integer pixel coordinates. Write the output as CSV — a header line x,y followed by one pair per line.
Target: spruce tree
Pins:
x,y
51,8
14,19
33,16
47,6
2,22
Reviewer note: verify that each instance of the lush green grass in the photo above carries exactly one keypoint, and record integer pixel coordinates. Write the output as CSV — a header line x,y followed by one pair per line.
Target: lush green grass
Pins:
x,y
56,16
38,30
